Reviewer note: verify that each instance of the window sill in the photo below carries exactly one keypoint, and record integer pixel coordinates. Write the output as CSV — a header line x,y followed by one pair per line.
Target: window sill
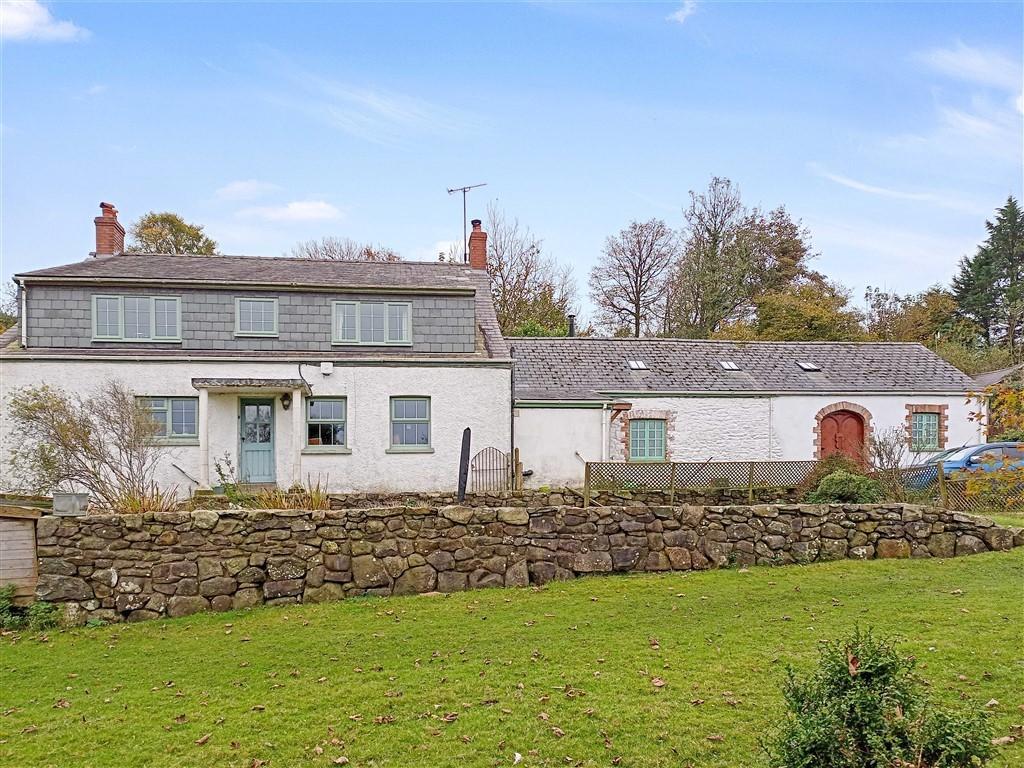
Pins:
x,y
409,449
172,442
371,343
312,450
107,340
248,335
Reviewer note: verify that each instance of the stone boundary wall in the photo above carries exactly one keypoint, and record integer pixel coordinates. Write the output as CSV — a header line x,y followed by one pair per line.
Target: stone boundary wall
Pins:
x,y
533,497
135,567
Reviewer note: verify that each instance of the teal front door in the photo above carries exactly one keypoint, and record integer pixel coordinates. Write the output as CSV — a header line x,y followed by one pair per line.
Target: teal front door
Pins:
x,y
256,432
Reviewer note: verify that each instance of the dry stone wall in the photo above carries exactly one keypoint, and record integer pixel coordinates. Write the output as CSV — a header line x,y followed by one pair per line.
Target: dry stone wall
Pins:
x,y
135,567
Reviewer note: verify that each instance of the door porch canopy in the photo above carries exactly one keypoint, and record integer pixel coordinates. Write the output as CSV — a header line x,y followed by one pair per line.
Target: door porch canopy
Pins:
x,y
295,388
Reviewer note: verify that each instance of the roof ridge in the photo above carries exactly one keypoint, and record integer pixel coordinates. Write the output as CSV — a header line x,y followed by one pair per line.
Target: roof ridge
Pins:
x,y
677,340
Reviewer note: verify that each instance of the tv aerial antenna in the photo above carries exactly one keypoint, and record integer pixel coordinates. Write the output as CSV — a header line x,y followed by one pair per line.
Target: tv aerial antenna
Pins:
x,y
465,236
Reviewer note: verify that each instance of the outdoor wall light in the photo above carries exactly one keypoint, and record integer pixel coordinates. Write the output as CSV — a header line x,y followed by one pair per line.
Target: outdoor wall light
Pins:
x,y
286,400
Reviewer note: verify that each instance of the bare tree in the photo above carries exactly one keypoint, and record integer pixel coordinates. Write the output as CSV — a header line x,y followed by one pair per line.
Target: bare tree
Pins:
x,y
343,249
730,256
627,285
105,443
9,309
530,288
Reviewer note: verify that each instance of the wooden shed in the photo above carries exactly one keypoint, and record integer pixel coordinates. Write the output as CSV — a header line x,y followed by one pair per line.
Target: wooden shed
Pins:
x,y
18,564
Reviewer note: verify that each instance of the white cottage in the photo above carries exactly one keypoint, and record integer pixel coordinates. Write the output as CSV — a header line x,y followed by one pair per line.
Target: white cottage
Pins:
x,y
598,399
360,374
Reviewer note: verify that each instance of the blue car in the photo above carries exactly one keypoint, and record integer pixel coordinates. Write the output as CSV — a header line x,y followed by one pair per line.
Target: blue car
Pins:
x,y
969,458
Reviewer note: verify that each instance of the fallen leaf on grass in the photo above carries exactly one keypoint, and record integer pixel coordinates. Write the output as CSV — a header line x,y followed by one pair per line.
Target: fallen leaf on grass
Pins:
x,y
384,719
558,732
715,737
203,739
30,729
341,760
258,708
657,682
61,704
449,717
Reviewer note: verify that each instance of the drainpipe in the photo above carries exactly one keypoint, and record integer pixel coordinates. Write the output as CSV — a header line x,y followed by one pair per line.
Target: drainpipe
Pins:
x,y
604,432
771,428
512,407
24,314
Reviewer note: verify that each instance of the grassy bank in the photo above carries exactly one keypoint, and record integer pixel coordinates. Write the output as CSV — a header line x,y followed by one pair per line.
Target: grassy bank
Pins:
x,y
567,674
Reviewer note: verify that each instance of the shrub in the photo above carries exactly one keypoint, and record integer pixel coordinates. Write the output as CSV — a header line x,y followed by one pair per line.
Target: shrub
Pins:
x,y
825,467
864,707
106,444
844,487
37,616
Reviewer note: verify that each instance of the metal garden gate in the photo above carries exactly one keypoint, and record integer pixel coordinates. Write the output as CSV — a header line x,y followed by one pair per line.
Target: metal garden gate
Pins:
x,y
490,470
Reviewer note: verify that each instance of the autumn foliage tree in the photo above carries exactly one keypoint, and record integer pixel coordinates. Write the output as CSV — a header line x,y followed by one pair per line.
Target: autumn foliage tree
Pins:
x,y
169,233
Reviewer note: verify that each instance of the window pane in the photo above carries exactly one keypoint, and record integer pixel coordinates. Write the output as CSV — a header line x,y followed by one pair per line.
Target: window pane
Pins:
x,y
647,439
345,322
166,317
184,416
924,431
136,317
256,316
108,321
371,323
398,317
326,422
157,409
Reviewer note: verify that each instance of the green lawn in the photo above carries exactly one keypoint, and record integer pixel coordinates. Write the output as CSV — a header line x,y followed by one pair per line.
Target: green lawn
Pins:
x,y
471,679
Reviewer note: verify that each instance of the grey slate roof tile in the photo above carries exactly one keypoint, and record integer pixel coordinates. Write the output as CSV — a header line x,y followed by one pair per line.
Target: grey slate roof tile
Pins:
x,y
228,271
591,368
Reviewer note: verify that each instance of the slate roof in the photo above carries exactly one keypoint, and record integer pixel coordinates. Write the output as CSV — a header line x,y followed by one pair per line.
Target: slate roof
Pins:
x,y
586,368
983,380
228,271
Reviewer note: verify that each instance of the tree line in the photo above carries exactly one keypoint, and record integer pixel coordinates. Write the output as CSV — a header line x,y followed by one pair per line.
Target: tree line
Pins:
x,y
729,271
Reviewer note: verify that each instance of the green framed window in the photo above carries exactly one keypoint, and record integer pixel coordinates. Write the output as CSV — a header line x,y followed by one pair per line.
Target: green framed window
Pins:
x,y
136,318
924,432
647,440
410,422
176,417
372,322
255,316
327,422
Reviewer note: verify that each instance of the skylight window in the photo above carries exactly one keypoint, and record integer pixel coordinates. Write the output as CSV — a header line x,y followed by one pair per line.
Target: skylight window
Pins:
x,y
728,365
637,365
809,366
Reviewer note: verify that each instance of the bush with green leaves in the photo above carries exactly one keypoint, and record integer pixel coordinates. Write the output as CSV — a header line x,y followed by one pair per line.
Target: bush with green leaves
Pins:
x,y
864,707
37,616
825,467
844,487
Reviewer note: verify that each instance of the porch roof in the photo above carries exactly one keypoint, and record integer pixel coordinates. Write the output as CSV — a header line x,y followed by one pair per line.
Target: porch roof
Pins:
x,y
251,385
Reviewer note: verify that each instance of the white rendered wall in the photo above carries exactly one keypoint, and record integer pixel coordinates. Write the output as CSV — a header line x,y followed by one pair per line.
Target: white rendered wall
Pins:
x,y
756,428
549,439
470,396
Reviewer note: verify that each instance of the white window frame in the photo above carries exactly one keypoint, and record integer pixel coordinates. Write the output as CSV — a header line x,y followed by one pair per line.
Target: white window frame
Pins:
x,y
406,331
238,317
119,298
168,409
402,447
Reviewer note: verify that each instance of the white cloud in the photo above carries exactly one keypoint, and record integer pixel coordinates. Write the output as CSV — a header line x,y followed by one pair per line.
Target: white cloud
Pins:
x,y
246,189
896,194
985,67
299,210
92,92
31,20
685,11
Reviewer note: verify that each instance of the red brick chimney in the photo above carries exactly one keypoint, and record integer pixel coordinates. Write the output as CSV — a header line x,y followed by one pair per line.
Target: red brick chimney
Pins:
x,y
109,232
477,246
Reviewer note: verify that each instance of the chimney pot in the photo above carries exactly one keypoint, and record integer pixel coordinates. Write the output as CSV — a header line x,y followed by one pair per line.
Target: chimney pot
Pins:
x,y
109,232
572,325
477,246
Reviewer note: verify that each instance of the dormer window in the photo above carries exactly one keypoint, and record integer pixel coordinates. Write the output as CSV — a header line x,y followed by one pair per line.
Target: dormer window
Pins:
x,y
136,318
637,365
372,322
728,365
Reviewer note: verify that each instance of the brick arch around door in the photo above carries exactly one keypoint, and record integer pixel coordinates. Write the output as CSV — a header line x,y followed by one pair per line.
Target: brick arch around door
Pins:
x,y
842,427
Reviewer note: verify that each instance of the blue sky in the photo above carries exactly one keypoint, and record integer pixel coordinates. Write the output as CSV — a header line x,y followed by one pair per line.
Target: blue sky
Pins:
x,y
891,130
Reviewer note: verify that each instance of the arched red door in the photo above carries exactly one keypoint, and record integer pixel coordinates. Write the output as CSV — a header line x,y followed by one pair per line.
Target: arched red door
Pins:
x,y
843,432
